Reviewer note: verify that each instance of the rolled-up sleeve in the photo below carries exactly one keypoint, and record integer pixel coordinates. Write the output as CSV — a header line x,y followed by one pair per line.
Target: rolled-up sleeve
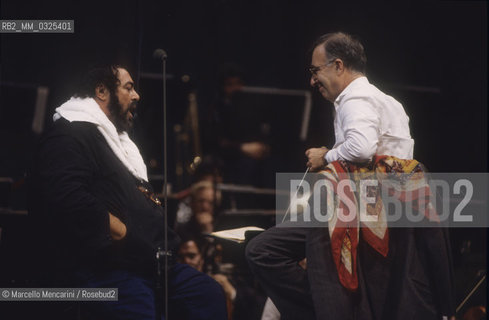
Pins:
x,y
360,125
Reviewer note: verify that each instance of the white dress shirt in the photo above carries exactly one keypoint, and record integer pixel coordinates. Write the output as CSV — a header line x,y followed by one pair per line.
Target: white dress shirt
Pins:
x,y
369,122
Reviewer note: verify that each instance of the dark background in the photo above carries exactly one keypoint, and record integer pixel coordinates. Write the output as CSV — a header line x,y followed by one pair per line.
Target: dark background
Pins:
x,y
430,55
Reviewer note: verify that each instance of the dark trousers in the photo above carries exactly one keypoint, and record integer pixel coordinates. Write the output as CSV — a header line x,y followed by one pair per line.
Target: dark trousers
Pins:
x,y
192,296
299,294
412,282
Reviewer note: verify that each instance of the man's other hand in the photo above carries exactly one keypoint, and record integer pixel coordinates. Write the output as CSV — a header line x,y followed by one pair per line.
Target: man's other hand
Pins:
x,y
315,157
118,229
229,289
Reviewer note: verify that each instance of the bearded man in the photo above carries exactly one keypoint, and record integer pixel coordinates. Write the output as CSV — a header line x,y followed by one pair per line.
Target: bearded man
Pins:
x,y
98,222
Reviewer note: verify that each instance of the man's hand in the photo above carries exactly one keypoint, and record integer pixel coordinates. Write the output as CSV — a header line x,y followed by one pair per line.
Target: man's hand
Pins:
x,y
229,289
118,229
315,157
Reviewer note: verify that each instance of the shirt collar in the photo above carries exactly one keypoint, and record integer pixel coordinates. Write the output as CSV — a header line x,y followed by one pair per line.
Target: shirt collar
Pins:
x,y
349,88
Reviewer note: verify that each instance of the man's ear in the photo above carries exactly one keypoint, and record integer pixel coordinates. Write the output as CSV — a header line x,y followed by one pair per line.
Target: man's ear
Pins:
x,y
339,66
102,93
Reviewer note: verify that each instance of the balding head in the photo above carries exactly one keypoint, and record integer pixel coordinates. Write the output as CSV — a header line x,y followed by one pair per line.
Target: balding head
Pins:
x,y
337,60
343,46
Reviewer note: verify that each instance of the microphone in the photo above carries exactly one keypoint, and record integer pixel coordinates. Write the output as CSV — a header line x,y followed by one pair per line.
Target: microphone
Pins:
x,y
159,54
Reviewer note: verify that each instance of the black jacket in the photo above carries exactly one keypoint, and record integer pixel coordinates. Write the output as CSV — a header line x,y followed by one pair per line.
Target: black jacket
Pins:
x,y
74,182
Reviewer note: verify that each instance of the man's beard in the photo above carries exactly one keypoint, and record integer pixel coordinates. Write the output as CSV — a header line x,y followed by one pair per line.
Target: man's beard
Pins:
x,y
120,118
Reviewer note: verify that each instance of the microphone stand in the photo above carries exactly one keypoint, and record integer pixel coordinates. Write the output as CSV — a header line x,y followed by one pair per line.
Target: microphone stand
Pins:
x,y
162,254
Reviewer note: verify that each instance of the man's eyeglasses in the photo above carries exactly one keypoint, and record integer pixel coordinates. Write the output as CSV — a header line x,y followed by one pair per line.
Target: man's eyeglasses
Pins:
x,y
315,69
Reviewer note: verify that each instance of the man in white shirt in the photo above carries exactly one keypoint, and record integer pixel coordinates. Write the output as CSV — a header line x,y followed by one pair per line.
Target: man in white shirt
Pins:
x,y
367,121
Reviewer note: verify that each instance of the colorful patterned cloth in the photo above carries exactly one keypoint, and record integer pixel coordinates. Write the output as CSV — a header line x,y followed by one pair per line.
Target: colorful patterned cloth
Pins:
x,y
353,217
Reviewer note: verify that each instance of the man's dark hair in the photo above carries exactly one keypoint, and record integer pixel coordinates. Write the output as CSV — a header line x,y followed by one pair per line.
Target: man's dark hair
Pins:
x,y
107,75
345,47
199,242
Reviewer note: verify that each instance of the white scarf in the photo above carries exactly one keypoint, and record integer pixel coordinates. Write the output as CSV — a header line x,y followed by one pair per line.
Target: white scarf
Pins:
x,y
88,110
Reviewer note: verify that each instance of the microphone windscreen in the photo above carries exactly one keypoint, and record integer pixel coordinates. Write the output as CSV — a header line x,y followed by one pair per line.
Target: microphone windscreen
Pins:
x,y
159,54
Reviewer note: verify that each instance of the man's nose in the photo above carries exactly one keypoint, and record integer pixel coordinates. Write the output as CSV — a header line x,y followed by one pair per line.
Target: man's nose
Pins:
x,y
135,96
313,81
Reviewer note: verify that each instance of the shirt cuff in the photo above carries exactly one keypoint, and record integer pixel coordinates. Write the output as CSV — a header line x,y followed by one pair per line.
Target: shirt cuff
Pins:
x,y
331,155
